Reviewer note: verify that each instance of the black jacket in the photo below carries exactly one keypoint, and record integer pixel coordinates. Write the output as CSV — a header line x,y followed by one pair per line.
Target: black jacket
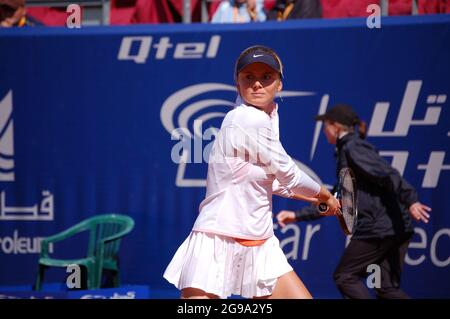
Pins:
x,y
383,195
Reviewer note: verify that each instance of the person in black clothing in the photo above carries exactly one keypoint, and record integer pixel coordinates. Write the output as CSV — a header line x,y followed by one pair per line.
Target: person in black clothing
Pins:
x,y
386,203
295,9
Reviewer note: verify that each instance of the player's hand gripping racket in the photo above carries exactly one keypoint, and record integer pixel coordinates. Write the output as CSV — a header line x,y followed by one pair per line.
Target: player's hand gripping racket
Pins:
x,y
346,194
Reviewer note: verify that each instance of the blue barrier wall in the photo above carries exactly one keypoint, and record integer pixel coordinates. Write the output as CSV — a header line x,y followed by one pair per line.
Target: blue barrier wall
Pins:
x,y
86,117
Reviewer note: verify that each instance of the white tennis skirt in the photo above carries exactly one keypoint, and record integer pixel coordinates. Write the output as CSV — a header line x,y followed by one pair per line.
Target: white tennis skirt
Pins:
x,y
221,266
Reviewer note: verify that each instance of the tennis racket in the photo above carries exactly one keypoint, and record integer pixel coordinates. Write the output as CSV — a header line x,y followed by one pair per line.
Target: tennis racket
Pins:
x,y
346,194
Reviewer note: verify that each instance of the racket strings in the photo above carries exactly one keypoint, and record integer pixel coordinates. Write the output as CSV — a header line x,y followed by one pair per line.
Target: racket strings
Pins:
x,y
348,201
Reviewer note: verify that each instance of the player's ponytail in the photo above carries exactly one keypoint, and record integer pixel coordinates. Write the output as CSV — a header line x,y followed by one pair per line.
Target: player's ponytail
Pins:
x,y
362,129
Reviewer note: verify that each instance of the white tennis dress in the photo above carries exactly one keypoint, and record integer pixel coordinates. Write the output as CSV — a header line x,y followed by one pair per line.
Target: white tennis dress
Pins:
x,y
247,165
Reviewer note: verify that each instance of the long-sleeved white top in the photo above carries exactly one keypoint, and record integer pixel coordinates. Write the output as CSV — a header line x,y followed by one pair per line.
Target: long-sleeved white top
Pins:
x,y
248,164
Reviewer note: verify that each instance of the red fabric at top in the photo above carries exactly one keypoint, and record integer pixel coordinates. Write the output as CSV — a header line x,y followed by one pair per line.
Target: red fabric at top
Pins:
x,y
400,7
49,16
153,11
346,8
434,6
357,8
122,11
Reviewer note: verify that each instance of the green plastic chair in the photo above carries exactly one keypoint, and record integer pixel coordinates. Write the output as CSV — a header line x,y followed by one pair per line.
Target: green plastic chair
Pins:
x,y
105,234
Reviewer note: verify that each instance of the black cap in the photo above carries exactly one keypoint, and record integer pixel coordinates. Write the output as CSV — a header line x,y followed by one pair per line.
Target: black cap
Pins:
x,y
340,113
260,55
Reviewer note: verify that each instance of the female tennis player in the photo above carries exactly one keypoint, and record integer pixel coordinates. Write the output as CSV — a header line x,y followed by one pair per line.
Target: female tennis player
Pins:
x,y
386,203
232,248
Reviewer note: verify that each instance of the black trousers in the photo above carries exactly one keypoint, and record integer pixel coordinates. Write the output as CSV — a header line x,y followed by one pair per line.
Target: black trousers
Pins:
x,y
388,253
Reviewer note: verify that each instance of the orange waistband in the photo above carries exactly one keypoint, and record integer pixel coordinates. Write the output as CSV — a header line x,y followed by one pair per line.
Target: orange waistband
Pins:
x,y
249,242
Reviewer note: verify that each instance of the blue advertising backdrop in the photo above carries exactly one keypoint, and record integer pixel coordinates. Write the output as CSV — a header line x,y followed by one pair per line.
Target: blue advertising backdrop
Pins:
x,y
86,118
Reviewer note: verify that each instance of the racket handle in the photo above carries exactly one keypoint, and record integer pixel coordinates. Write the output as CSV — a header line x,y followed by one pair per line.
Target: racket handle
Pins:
x,y
322,208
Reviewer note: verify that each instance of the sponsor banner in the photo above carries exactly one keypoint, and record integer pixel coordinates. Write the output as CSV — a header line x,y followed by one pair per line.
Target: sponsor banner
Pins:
x,y
129,292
